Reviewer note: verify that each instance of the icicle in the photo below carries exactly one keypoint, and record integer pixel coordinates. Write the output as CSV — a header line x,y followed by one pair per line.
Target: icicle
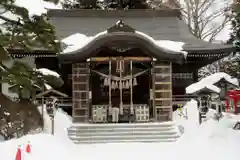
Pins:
x,y
127,84
105,83
134,81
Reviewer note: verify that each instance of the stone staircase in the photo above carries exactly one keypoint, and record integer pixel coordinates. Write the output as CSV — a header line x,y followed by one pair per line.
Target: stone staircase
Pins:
x,y
123,132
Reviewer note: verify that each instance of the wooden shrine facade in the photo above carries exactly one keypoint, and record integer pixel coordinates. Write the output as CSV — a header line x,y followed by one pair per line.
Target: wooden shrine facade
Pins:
x,y
122,76
156,104
92,72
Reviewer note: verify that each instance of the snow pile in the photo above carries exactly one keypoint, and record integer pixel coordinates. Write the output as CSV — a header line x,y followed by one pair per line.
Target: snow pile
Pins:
x,y
209,81
211,140
48,72
191,112
172,45
62,121
167,44
74,42
208,129
43,146
78,41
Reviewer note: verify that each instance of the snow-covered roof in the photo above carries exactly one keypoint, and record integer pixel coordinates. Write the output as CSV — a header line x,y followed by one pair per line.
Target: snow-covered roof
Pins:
x,y
214,78
209,81
77,41
198,87
42,94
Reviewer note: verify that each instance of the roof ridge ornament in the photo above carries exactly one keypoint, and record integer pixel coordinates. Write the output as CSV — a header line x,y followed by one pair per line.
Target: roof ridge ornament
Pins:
x,y
120,26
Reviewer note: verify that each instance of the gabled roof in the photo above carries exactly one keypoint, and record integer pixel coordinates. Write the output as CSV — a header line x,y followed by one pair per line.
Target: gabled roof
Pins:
x,y
159,24
51,91
119,34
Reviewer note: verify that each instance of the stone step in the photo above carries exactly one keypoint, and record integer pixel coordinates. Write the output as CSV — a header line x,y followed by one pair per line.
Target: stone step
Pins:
x,y
123,137
124,129
123,125
117,133
133,132
126,141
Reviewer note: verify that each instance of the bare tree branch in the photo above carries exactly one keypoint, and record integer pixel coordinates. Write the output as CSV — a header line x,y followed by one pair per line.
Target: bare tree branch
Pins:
x,y
202,20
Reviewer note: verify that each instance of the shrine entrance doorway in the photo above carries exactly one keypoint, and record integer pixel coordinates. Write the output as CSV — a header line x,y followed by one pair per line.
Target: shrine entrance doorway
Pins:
x,y
120,89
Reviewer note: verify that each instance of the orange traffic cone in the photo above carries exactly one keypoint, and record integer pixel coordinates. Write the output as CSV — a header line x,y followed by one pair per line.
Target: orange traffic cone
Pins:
x,y
18,154
28,148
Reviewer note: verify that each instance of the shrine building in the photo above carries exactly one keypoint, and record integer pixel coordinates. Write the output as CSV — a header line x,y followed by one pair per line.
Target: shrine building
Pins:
x,y
127,68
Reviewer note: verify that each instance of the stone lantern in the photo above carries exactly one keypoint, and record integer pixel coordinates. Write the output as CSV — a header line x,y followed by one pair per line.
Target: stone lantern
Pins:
x,y
204,98
51,107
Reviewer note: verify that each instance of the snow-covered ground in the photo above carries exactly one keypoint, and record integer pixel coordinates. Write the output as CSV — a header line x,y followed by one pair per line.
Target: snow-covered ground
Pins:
x,y
211,140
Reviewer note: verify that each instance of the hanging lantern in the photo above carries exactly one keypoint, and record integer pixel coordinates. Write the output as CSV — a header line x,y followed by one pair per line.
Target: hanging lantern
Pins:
x,y
134,81
105,83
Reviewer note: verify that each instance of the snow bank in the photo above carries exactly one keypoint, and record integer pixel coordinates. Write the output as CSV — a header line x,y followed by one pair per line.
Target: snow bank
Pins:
x,y
62,121
77,41
211,140
192,117
209,81
43,146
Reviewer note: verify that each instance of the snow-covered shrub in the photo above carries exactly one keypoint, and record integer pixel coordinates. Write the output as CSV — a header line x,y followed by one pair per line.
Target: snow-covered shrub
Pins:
x,y
18,118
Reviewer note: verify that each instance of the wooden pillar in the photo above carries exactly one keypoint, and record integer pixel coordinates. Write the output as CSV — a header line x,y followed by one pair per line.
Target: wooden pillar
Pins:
x,y
120,86
131,88
110,88
153,91
80,92
170,74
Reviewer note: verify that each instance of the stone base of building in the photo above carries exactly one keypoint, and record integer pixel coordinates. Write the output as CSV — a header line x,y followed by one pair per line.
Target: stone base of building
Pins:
x,y
119,133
